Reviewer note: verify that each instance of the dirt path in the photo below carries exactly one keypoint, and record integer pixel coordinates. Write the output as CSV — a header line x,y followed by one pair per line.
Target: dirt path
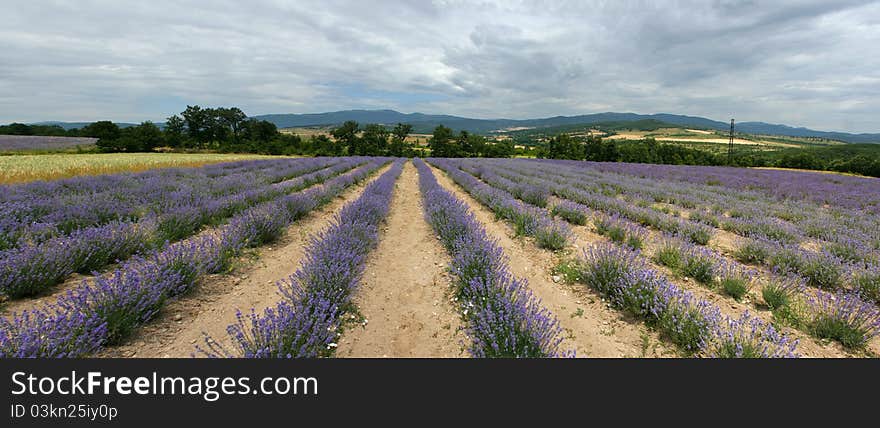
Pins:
x,y
404,296
212,306
591,327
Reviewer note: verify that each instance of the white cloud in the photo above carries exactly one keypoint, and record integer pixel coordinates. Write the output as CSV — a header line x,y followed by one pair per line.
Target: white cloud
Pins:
x,y
803,63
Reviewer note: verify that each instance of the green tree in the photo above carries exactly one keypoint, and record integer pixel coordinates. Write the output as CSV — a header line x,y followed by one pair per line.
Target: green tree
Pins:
x,y
374,140
174,127
106,132
16,128
441,143
200,125
232,121
324,146
398,146
146,137
261,131
564,146
347,135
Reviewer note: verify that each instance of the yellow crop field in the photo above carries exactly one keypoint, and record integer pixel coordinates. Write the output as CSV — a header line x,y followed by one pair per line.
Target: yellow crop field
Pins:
x,y
24,168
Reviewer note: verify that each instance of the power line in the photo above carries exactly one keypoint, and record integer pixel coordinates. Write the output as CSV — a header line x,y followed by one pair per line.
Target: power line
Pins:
x,y
730,145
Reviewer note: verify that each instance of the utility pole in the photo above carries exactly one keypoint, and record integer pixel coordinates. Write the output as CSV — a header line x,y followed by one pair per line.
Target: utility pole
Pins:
x,y
730,145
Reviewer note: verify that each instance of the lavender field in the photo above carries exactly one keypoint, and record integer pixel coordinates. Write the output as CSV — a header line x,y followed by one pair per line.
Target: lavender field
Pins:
x,y
26,143
510,258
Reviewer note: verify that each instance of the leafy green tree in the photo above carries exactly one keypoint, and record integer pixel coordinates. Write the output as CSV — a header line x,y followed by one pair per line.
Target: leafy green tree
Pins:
x,y
442,144
106,132
16,128
347,135
199,125
232,121
146,136
261,131
174,127
324,146
374,140
103,129
398,146
564,146
499,149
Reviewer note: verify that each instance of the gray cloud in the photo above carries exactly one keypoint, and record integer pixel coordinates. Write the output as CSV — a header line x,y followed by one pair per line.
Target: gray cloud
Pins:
x,y
804,63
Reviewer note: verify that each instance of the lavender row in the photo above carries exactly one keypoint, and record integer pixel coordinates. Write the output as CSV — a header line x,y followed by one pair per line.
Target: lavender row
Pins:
x,y
43,217
104,311
843,270
575,191
34,268
748,213
307,321
527,220
840,316
504,319
859,193
695,325
826,269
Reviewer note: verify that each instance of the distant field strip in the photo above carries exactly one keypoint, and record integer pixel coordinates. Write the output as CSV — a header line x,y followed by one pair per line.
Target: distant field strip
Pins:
x,y
24,168
27,143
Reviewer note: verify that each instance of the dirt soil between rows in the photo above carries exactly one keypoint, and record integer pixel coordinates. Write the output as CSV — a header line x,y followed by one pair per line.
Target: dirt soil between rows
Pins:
x,y
211,307
590,326
405,295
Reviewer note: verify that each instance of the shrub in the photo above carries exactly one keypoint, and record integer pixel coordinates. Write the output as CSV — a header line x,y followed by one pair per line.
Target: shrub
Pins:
x,y
821,270
670,254
700,265
735,281
535,195
603,266
753,252
749,337
867,284
779,292
698,234
572,212
785,261
552,235
705,218
845,318
635,239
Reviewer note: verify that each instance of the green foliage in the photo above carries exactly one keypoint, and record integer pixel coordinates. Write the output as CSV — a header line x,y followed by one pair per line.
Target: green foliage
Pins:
x,y
776,295
735,286
752,252
700,267
834,328
670,255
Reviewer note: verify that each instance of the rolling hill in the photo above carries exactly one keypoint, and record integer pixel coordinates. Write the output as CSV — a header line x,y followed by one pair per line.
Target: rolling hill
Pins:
x,y
424,123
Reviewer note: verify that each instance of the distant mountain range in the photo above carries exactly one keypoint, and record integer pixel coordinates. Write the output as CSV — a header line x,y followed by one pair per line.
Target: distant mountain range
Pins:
x,y
425,123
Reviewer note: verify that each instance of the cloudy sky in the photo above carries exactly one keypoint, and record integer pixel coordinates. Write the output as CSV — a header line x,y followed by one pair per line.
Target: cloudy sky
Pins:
x,y
802,63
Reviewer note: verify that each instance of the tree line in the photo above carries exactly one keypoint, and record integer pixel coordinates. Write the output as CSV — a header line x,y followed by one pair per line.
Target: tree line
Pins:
x,y
594,148
229,129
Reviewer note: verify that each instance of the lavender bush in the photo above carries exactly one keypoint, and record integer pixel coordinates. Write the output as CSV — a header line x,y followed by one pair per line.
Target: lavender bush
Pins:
x,y
106,310
695,325
306,323
504,319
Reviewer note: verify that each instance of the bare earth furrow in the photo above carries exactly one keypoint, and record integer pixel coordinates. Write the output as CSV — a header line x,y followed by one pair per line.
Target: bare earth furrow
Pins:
x,y
211,306
591,328
404,297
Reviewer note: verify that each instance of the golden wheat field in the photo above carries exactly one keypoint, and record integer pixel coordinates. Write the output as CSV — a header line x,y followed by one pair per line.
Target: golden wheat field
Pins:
x,y
24,168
